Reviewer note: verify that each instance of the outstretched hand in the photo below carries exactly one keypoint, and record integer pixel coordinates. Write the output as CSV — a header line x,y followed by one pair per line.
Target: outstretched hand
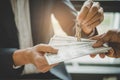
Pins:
x,y
34,55
112,37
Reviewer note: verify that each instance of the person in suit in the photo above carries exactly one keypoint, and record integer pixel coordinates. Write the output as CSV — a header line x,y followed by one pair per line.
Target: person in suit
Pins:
x,y
90,16
112,37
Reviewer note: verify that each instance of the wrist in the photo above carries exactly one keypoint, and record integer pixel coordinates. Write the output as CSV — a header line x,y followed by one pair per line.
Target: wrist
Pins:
x,y
20,57
91,33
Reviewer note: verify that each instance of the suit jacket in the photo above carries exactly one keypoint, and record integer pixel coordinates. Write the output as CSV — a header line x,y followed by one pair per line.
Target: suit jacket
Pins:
x,y
40,11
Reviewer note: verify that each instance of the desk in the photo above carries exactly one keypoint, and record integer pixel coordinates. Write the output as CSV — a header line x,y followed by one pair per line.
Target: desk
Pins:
x,y
93,72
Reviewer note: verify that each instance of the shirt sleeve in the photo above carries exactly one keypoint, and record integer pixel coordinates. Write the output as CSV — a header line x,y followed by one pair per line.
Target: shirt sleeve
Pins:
x,y
6,63
65,13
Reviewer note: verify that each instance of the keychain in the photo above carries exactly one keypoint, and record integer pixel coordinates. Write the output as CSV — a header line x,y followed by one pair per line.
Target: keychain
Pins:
x,y
78,31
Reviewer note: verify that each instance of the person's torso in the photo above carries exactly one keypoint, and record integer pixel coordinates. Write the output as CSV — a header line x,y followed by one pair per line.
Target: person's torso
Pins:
x,y
8,30
40,11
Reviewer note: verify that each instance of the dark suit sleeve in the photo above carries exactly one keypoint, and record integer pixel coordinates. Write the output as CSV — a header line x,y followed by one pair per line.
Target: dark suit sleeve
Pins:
x,y
6,64
8,41
66,14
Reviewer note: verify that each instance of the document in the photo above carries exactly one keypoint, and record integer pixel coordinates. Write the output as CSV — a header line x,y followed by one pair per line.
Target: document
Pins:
x,y
69,48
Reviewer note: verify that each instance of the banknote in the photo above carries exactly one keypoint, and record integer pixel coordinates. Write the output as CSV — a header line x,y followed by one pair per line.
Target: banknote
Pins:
x,y
69,48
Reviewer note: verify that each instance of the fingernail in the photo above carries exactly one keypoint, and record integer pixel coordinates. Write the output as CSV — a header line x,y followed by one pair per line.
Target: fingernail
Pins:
x,y
97,44
92,55
56,50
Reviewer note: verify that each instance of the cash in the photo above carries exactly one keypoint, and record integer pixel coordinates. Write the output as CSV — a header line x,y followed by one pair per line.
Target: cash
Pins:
x,y
69,48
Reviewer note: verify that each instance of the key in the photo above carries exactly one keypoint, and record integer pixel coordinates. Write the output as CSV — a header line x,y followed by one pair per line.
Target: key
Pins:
x,y
78,31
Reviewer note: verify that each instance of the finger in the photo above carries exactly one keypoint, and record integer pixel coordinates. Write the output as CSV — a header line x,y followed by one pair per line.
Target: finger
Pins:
x,y
98,44
44,60
86,29
95,24
114,36
98,16
84,11
46,48
46,63
97,37
54,65
88,3
40,61
82,14
92,55
93,10
89,29
99,41
102,14
45,68
103,39
102,55
110,53
42,65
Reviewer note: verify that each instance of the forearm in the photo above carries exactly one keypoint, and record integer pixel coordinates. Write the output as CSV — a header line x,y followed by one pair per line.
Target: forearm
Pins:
x,y
66,15
20,57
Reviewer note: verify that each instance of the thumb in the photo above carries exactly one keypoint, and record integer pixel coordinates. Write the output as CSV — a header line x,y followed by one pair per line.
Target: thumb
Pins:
x,y
98,43
101,40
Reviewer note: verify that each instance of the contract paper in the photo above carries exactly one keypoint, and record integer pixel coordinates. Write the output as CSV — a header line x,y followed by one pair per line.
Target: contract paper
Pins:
x,y
69,48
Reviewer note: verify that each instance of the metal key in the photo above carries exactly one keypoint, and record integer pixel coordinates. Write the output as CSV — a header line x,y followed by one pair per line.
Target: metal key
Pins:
x,y
78,31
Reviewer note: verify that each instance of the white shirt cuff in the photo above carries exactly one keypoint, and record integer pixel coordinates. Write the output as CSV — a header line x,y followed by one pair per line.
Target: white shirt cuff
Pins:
x,y
29,69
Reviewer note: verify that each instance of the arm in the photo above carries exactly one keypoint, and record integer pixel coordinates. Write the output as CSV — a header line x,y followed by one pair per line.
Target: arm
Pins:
x,y
65,13
20,57
112,38
66,16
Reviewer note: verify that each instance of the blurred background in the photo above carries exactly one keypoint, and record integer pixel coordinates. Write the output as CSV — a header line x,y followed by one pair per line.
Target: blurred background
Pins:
x,y
86,68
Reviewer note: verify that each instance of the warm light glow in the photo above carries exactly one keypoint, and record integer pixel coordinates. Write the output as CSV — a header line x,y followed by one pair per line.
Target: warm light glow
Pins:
x,y
56,27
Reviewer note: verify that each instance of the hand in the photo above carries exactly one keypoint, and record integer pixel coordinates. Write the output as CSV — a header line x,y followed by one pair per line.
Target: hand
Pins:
x,y
90,15
112,37
34,55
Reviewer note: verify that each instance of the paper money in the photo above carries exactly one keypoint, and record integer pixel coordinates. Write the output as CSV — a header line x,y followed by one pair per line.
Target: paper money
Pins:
x,y
69,48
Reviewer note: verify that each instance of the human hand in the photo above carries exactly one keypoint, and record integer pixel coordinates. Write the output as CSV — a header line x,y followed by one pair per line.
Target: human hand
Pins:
x,y
90,15
34,55
112,37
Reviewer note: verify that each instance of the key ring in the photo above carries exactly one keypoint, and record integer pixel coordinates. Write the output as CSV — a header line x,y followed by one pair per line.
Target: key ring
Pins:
x,y
78,31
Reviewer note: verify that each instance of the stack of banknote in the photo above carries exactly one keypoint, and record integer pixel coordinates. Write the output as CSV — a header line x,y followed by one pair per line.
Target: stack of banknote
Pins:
x,y
69,48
